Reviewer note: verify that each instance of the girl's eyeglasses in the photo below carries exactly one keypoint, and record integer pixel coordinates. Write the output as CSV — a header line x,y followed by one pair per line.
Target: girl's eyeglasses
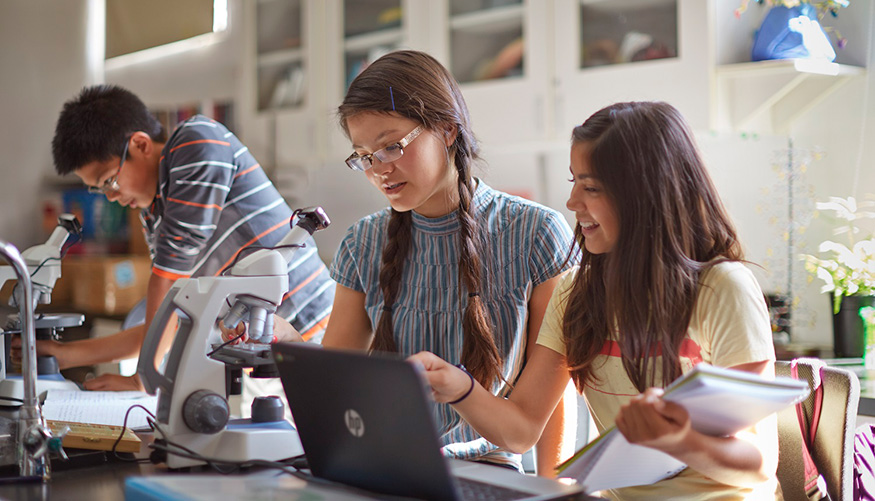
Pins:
x,y
390,153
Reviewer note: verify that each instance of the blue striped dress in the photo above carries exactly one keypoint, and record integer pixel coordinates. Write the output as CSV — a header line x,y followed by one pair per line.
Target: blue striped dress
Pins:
x,y
213,200
524,245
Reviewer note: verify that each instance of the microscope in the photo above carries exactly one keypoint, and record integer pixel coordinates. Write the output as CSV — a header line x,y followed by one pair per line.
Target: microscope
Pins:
x,y
193,413
28,438
43,264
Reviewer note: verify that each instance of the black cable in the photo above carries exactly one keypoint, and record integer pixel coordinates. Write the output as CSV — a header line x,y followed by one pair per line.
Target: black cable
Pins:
x,y
251,248
122,434
226,343
286,466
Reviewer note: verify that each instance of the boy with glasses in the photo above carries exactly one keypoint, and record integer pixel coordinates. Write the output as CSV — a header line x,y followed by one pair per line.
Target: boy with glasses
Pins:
x,y
203,198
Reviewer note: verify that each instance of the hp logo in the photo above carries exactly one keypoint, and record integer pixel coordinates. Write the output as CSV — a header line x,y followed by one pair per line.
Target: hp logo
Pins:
x,y
354,423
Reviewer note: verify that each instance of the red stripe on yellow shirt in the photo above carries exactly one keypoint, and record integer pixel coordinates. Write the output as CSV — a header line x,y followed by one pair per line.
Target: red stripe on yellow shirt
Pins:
x,y
689,350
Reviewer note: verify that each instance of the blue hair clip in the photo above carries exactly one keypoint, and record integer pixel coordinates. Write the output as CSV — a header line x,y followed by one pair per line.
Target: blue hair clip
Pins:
x,y
392,97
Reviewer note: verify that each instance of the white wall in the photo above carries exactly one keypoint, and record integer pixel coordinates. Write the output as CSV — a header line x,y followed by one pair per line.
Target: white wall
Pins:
x,y
842,126
46,56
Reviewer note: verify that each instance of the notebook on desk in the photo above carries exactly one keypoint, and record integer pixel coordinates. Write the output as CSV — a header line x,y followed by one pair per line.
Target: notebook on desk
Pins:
x,y
365,421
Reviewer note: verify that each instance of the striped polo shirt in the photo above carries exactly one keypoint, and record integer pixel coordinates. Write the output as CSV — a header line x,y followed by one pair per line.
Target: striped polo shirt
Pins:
x,y
213,200
524,245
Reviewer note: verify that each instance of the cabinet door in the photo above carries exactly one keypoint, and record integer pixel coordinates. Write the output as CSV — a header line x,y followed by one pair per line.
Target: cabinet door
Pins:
x,y
498,50
359,32
282,89
630,50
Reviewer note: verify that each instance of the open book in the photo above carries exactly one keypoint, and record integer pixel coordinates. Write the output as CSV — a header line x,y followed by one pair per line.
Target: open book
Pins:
x,y
98,407
720,402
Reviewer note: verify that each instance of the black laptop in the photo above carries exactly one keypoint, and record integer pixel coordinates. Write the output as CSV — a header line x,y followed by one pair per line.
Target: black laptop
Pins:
x,y
366,421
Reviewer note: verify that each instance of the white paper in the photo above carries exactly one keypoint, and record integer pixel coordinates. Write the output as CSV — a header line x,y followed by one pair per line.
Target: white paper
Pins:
x,y
99,407
719,401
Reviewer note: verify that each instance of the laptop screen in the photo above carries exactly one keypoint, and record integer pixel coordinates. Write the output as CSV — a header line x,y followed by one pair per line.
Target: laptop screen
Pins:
x,y
364,420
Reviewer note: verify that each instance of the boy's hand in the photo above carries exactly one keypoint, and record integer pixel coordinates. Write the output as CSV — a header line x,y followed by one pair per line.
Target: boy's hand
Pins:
x,y
282,331
47,347
238,332
114,382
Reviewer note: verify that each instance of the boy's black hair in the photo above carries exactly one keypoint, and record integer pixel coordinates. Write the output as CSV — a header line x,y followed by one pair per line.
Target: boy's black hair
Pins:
x,y
94,125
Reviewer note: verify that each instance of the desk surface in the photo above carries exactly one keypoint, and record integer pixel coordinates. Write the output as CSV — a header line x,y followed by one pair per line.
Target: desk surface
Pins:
x,y
96,483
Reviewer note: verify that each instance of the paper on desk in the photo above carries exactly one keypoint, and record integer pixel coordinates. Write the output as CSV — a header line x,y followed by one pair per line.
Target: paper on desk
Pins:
x,y
99,407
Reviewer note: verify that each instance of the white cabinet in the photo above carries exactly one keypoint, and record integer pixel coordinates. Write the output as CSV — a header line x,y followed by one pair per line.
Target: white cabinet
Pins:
x,y
530,70
499,51
622,50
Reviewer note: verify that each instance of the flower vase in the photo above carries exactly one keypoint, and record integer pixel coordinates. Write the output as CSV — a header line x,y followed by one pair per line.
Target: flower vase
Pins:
x,y
847,327
792,33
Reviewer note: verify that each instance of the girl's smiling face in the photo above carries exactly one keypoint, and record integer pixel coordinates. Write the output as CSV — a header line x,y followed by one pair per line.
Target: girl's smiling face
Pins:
x,y
421,180
593,209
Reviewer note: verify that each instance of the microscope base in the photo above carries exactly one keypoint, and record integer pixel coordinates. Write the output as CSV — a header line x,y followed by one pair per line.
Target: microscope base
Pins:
x,y
241,440
13,387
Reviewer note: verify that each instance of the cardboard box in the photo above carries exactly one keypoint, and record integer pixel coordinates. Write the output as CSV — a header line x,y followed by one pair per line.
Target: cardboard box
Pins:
x,y
136,239
107,285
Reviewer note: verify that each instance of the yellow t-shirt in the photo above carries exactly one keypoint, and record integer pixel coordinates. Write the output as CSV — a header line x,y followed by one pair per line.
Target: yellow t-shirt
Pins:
x,y
729,326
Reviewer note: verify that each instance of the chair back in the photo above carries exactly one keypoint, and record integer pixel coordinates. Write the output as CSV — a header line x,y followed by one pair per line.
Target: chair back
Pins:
x,y
833,447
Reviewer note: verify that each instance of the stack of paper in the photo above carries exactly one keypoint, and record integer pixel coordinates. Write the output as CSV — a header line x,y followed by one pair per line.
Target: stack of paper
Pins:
x,y
719,401
99,407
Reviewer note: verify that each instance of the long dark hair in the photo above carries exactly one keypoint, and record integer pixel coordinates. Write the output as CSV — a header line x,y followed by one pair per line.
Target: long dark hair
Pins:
x,y
414,85
672,228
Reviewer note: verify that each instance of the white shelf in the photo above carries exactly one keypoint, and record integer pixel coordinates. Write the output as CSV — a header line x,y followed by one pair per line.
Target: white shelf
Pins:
x,y
279,57
775,92
494,20
363,43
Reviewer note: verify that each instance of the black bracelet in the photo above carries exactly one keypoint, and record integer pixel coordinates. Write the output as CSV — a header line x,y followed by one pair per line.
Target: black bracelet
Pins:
x,y
463,397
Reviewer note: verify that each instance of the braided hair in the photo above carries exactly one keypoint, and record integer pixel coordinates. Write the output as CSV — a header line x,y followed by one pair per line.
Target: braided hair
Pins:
x,y
414,85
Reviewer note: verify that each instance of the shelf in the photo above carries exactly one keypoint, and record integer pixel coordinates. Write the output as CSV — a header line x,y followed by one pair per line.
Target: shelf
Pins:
x,y
278,57
363,43
775,92
498,19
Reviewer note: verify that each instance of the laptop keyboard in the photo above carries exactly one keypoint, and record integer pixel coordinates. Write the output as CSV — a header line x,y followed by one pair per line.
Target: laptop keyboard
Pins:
x,y
474,490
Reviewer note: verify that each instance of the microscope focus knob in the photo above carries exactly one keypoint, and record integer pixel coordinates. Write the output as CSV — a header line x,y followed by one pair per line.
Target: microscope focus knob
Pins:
x,y
205,412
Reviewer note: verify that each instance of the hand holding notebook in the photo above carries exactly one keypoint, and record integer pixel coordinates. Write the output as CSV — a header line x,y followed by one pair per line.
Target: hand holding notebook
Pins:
x,y
719,402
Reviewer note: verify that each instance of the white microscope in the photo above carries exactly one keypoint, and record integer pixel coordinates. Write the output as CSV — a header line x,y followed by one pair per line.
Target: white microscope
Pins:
x,y
193,413
43,263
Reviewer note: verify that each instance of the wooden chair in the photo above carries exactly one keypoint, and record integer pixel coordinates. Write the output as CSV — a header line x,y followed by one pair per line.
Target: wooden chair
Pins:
x,y
833,448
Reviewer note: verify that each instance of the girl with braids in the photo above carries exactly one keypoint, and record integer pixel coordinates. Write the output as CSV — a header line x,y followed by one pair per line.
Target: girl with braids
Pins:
x,y
453,266
660,287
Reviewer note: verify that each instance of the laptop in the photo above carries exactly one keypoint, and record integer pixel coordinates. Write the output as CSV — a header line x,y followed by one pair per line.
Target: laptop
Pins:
x,y
366,421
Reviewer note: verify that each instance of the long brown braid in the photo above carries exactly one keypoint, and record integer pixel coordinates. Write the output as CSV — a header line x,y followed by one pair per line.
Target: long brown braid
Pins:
x,y
414,85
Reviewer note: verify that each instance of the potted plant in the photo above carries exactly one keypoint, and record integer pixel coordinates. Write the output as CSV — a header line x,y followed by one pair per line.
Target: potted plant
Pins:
x,y
848,273
794,29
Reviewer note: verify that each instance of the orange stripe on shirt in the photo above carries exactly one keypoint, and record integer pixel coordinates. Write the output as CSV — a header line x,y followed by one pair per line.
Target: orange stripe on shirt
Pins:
x,y
167,274
304,282
200,141
195,204
321,325
247,244
247,171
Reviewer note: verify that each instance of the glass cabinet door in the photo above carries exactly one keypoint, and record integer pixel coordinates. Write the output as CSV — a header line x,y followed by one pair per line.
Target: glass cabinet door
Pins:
x,y
371,28
486,39
281,72
624,31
